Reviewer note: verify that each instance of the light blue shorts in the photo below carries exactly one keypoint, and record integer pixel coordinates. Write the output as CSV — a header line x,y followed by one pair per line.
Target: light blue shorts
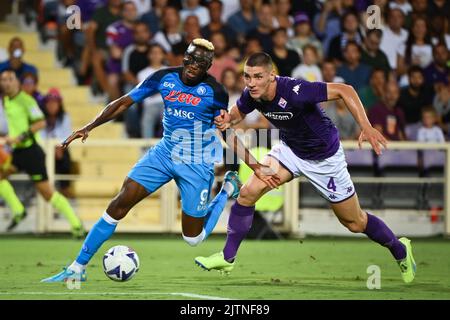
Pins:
x,y
194,181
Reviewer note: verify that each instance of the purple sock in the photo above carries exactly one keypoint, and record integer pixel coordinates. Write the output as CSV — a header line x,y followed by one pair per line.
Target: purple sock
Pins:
x,y
239,224
379,232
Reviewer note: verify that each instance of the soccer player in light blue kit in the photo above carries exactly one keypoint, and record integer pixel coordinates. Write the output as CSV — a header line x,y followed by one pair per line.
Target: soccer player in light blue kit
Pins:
x,y
186,153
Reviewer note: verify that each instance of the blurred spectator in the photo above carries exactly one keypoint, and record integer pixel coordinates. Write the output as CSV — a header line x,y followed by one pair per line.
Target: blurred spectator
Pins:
x,y
230,81
285,59
429,131
191,28
415,96
58,127
441,104
308,70
229,8
153,106
283,19
119,36
66,44
142,6
394,36
373,93
420,8
438,8
304,35
29,82
252,45
386,116
354,72
438,70
96,51
350,32
169,35
216,24
403,5
134,57
418,50
16,50
193,8
153,17
328,69
310,7
371,53
342,118
221,60
264,29
327,23
438,26
244,19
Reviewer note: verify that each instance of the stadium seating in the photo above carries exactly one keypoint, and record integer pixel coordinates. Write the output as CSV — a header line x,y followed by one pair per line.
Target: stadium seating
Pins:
x,y
433,166
400,164
361,164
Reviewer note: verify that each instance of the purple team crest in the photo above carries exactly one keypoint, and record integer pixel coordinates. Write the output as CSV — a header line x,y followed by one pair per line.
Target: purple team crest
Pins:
x,y
282,103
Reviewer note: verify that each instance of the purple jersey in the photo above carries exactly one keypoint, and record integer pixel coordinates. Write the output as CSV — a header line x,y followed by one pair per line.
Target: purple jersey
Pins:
x,y
303,125
120,35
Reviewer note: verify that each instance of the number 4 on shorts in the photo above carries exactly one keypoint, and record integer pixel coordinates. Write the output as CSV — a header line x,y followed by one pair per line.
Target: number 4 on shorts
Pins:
x,y
331,184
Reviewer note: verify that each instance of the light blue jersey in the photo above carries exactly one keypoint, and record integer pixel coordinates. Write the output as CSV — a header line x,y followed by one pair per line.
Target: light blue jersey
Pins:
x,y
189,111
189,146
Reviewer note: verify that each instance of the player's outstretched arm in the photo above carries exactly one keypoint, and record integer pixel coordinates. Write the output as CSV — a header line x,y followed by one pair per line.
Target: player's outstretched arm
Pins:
x,y
353,103
111,111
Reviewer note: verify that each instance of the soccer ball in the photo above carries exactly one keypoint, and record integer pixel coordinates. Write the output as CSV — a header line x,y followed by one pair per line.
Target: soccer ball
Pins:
x,y
120,263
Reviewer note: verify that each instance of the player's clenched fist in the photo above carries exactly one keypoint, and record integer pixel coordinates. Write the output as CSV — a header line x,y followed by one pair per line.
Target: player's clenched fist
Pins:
x,y
223,121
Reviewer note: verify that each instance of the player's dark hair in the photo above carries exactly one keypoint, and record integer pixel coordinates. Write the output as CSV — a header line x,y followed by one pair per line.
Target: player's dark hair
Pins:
x,y
259,59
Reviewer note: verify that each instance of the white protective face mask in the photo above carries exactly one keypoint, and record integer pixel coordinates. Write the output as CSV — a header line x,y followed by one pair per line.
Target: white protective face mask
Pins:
x,y
17,53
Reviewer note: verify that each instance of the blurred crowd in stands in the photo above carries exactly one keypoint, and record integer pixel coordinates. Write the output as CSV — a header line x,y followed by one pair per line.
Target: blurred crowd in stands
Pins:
x,y
400,70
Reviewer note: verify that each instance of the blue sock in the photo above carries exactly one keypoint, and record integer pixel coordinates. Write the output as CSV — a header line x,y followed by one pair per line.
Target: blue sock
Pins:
x,y
215,208
100,232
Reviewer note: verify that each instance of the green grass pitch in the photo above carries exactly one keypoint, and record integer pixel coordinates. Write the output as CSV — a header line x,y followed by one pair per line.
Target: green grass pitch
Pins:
x,y
312,268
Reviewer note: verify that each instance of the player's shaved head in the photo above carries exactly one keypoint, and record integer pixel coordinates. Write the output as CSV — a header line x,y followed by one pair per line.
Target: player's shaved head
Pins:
x,y
260,59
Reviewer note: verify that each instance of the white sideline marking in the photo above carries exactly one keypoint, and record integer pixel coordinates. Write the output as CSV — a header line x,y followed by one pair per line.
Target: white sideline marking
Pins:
x,y
75,293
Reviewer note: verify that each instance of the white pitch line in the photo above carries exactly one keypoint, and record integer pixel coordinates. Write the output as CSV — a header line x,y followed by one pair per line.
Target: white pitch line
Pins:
x,y
75,293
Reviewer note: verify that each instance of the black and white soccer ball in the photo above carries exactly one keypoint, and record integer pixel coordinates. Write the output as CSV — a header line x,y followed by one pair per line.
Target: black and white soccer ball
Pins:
x,y
120,263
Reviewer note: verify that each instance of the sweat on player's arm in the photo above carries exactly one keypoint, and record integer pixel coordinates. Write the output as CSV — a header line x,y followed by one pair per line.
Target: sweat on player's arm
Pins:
x,y
368,133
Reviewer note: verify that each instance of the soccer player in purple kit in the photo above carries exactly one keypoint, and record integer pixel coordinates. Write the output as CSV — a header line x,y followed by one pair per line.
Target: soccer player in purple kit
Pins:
x,y
309,146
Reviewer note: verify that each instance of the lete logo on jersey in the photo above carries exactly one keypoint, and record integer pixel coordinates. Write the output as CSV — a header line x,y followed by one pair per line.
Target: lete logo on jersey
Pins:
x,y
182,97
